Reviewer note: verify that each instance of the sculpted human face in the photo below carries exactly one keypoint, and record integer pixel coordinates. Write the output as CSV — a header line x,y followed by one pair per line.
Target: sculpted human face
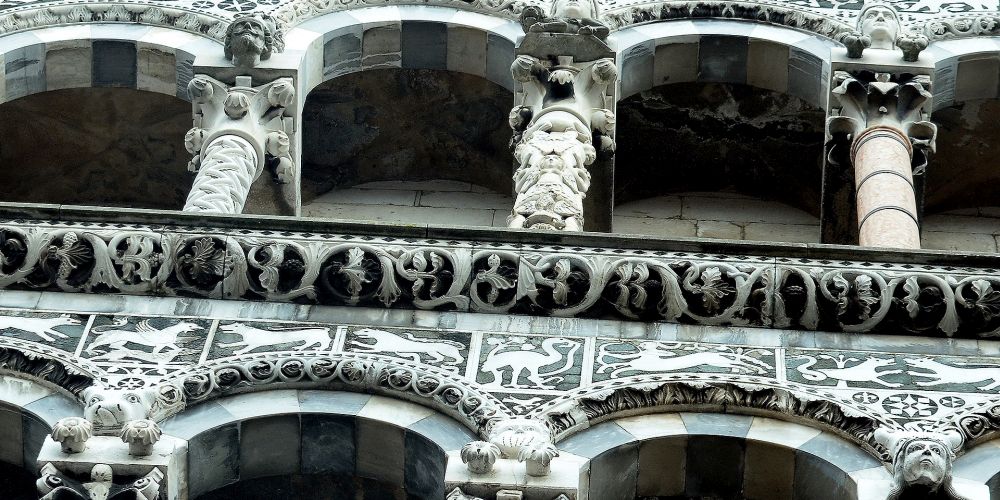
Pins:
x,y
925,462
881,24
574,9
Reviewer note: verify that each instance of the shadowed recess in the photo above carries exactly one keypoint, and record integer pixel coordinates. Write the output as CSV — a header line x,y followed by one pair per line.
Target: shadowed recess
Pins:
x,y
719,137
963,173
406,124
95,146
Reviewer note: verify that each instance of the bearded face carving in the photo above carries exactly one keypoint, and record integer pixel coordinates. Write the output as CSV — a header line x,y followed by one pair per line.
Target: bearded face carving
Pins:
x,y
252,39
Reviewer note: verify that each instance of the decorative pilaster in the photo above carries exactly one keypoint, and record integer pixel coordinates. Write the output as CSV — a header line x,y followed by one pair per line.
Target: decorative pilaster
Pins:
x,y
563,118
880,126
238,131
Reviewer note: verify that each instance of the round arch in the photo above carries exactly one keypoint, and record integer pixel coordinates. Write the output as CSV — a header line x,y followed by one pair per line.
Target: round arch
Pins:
x,y
981,465
721,51
150,58
306,432
28,410
409,37
722,456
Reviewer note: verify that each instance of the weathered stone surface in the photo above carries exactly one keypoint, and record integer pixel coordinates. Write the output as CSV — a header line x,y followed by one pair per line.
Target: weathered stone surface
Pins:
x,y
712,137
106,146
405,124
962,173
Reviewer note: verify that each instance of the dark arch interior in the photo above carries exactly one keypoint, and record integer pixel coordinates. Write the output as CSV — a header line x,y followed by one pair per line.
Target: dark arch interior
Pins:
x,y
308,486
95,146
712,467
719,137
963,173
16,483
405,124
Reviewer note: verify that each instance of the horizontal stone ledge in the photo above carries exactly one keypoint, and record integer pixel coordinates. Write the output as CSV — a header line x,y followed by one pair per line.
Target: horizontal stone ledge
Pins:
x,y
588,275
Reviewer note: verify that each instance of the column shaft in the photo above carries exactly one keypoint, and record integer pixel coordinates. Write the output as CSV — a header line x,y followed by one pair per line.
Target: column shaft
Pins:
x,y
223,181
887,209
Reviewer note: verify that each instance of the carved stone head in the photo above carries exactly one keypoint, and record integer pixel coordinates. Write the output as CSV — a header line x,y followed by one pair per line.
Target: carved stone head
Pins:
x,y
110,409
879,21
574,9
921,463
252,39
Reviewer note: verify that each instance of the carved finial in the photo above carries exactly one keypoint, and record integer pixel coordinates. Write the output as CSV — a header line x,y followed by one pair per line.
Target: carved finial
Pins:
x,y
856,43
911,44
480,456
251,39
921,462
72,434
141,435
538,458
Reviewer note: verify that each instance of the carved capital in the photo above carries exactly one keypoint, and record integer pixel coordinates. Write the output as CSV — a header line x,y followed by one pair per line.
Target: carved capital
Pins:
x,y
238,131
921,462
884,102
54,485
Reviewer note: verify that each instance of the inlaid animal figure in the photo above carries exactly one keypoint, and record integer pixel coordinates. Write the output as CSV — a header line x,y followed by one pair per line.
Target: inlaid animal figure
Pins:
x,y
865,371
407,346
144,335
941,373
651,358
255,338
530,363
933,6
44,328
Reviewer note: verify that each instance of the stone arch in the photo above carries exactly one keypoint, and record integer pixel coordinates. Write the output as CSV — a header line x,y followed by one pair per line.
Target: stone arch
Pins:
x,y
701,50
408,37
722,455
436,389
149,58
308,432
637,395
29,408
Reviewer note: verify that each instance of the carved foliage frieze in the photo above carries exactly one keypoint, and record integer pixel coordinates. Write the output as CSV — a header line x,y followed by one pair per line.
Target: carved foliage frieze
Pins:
x,y
495,278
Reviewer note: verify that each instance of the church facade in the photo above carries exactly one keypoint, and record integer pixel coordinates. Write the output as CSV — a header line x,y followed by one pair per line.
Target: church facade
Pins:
x,y
494,249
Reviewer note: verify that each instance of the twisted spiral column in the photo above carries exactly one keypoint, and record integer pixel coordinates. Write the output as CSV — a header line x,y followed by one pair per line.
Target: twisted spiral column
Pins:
x,y
223,182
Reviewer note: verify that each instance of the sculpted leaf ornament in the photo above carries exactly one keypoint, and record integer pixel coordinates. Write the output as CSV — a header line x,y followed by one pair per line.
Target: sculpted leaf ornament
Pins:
x,y
269,267
912,298
712,288
137,259
204,261
631,285
12,250
355,272
863,297
70,255
494,279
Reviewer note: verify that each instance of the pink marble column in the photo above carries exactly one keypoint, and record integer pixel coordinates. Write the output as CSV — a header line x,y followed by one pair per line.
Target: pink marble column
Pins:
x,y
887,208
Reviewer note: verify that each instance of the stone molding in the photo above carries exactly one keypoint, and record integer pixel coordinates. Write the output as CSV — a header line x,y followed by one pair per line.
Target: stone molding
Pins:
x,y
426,385
501,278
51,366
55,14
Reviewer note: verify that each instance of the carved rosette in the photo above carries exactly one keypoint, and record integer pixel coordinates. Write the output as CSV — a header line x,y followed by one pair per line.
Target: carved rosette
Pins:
x,y
238,131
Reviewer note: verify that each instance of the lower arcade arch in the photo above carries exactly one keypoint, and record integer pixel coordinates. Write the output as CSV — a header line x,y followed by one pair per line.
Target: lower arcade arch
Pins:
x,y
315,444
694,456
28,410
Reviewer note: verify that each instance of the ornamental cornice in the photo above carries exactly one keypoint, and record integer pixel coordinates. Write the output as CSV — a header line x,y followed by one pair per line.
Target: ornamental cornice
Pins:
x,y
818,292
51,14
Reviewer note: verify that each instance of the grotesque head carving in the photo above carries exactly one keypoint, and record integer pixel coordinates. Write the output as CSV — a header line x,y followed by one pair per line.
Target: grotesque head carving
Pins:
x,y
921,463
879,21
574,9
110,409
252,39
